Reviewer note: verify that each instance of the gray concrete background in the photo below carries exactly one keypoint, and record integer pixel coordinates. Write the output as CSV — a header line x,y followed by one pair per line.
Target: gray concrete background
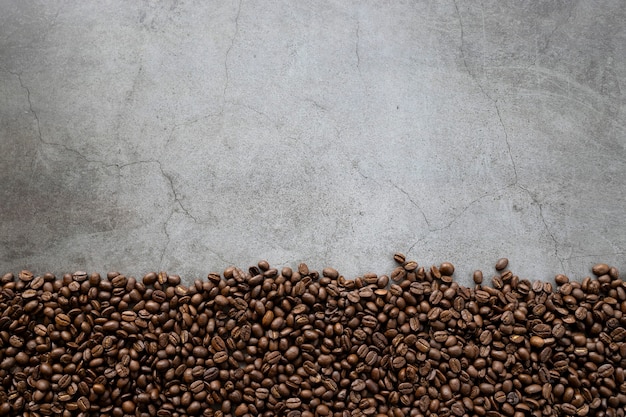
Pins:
x,y
190,135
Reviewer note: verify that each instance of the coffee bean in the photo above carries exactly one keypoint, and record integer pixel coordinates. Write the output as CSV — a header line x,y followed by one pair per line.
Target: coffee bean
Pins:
x,y
301,343
485,337
497,282
62,320
83,404
399,258
398,274
221,357
568,409
600,269
537,342
358,385
196,387
111,326
533,389
478,277
293,403
501,264
24,276
422,345
446,268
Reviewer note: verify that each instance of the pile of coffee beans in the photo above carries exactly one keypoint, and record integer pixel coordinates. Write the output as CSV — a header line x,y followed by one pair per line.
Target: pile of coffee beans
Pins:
x,y
303,343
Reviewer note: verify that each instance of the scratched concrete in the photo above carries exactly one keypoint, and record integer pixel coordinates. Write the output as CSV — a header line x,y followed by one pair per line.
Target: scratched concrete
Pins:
x,y
190,135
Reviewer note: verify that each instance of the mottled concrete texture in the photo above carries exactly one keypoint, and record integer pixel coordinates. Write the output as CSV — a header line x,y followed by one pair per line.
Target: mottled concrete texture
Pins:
x,y
190,135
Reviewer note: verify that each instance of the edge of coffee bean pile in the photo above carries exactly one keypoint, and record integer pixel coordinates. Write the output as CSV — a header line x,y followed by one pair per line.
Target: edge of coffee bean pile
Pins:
x,y
303,343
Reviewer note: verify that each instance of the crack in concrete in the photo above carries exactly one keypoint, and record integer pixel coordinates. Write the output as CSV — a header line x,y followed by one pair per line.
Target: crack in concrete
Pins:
x,y
594,256
508,144
366,177
232,43
277,125
119,167
430,228
356,46
315,104
455,218
38,123
489,97
43,35
402,190
53,22
167,240
556,243
166,176
408,196
220,257
188,122
177,199
557,27
545,224
30,104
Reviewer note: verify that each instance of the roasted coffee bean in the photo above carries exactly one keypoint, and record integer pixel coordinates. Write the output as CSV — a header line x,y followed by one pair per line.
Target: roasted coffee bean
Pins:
x,y
399,258
62,320
422,345
83,404
600,269
501,264
303,343
497,282
293,403
533,389
478,277
358,385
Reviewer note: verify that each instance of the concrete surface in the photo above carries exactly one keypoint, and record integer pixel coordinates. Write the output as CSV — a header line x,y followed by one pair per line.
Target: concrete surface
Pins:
x,y
189,135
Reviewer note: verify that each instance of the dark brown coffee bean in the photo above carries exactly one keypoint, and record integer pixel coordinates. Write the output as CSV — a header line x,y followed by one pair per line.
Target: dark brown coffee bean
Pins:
x,y
197,386
62,320
271,357
512,398
122,370
568,409
410,266
533,389
111,326
497,282
37,283
600,269
358,385
501,264
545,354
128,407
64,381
222,356
218,343
24,276
537,342
422,345
202,352
399,257
293,403
398,274
561,279
485,337
257,341
606,371
83,404
486,388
